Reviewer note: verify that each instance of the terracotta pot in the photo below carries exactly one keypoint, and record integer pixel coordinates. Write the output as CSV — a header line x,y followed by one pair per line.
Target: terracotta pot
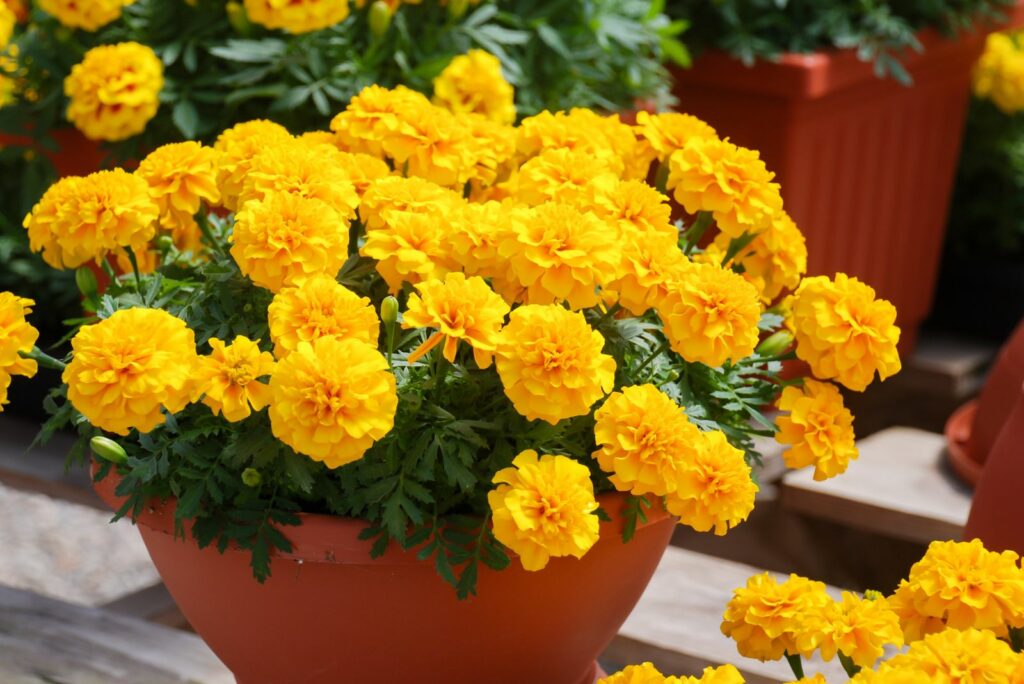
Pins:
x,y
995,511
76,155
866,164
972,430
332,614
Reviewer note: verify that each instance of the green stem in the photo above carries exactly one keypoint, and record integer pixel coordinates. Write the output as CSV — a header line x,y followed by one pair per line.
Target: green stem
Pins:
x,y
851,668
657,352
135,268
108,268
44,359
661,177
695,232
1017,639
204,227
440,368
391,342
796,664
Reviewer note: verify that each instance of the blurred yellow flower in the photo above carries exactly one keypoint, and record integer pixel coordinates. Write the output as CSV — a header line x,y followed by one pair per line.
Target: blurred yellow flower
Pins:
x,y
332,399
473,83
320,307
669,131
88,15
181,176
953,656
724,674
229,378
544,507
715,491
7,22
645,673
373,115
296,16
410,248
818,429
859,628
114,91
126,369
551,364
17,336
999,73
237,147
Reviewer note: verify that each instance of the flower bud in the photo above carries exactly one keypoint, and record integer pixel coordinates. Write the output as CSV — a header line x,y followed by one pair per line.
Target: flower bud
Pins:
x,y
251,477
775,344
164,243
238,19
86,281
108,449
456,8
379,18
389,310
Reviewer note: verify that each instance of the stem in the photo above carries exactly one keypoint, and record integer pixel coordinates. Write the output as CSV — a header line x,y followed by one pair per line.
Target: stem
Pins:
x,y
796,665
661,177
204,227
135,268
848,664
695,232
657,352
108,268
1017,639
391,342
44,359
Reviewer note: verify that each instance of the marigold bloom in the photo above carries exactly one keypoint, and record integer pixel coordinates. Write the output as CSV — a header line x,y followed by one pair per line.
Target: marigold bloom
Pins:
x,y
478,229
432,143
581,130
411,248
859,628
229,378
237,147
669,131
473,83
819,429
843,332
645,673
708,174
114,91
395,195
774,261
961,585
551,364
374,115
7,22
362,169
285,239
650,267
561,254
17,336
543,508
711,315
296,16
715,490
492,147
724,674
645,439
561,175
332,399
999,73
635,208
459,308
816,678
80,219
88,16
959,657
181,176
320,307
126,369
768,619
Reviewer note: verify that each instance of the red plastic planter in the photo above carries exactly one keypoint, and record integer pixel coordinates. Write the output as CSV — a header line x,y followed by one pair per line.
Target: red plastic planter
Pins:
x,y
76,155
866,164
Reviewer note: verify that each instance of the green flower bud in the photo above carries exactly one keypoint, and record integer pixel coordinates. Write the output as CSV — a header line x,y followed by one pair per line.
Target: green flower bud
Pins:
x,y
456,8
164,243
379,18
389,310
775,344
86,281
872,595
251,477
108,449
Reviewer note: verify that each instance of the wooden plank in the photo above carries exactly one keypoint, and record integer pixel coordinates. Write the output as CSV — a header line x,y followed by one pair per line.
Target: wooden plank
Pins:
x,y
676,624
152,604
44,641
947,365
900,487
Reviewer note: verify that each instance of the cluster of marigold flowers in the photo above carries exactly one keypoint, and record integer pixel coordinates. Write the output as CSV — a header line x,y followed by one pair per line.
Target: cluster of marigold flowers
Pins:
x,y
498,237
999,73
956,613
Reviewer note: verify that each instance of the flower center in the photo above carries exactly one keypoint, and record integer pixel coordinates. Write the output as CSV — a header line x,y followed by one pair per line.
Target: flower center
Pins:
x,y
240,374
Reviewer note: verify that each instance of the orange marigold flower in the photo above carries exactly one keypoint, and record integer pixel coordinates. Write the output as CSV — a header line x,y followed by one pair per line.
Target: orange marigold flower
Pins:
x,y
410,248
17,336
669,131
587,133
395,195
955,656
432,143
858,627
492,146
127,369
635,208
724,674
373,115
83,219
362,169
477,232
544,507
774,261
473,83
237,147
181,176
229,378
285,239
551,364
561,175
645,673
843,332
650,267
88,16
332,399
320,307
819,429
715,490
296,16
461,309
7,23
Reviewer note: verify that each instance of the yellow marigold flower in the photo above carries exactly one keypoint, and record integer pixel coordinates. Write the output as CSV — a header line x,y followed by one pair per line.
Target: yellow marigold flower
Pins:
x,y
16,336
285,239
332,399
320,307
8,80
114,91
651,265
492,146
715,490
459,308
561,175
229,378
309,171
181,176
477,232
999,74
19,7
816,678
7,22
768,619
961,585
80,219
237,147
708,174
473,83
585,132
644,673
670,131
711,315
843,332
859,628
959,657
410,248
819,429
315,138
561,254
774,261
392,196
645,440
434,144
88,16
296,16
362,169
724,674
374,115
126,369
551,364
544,507
635,208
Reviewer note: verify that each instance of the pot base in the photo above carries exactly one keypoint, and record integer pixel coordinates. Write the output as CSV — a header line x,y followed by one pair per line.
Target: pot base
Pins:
x,y
594,673
958,436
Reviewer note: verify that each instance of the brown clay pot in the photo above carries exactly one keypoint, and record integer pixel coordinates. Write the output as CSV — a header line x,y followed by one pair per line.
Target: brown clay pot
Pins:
x,y
995,512
331,614
76,155
866,164
972,430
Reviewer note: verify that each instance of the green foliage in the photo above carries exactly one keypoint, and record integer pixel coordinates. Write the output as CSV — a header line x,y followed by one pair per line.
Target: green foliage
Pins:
x,y
881,32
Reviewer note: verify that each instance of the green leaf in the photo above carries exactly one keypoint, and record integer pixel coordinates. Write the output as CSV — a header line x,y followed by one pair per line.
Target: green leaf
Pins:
x,y
186,118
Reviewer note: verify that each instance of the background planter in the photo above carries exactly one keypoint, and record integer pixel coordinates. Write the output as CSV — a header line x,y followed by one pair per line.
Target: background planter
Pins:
x,y
866,164
330,613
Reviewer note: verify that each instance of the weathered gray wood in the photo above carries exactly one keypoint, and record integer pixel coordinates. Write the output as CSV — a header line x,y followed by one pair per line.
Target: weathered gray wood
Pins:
x,y
43,641
947,365
152,604
900,487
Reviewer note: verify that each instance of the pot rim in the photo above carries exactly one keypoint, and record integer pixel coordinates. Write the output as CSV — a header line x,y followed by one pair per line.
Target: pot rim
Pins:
x,y
958,429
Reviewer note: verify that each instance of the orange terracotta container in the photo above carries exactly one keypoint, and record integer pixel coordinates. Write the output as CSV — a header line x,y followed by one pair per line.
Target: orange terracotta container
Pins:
x,y
331,614
76,155
866,164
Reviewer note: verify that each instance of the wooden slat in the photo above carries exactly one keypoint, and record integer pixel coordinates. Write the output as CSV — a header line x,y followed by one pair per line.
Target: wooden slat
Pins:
x,y
900,487
44,641
947,365
676,624
152,604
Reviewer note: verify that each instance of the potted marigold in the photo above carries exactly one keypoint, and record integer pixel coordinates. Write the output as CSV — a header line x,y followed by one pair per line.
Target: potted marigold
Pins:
x,y
859,109
346,370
